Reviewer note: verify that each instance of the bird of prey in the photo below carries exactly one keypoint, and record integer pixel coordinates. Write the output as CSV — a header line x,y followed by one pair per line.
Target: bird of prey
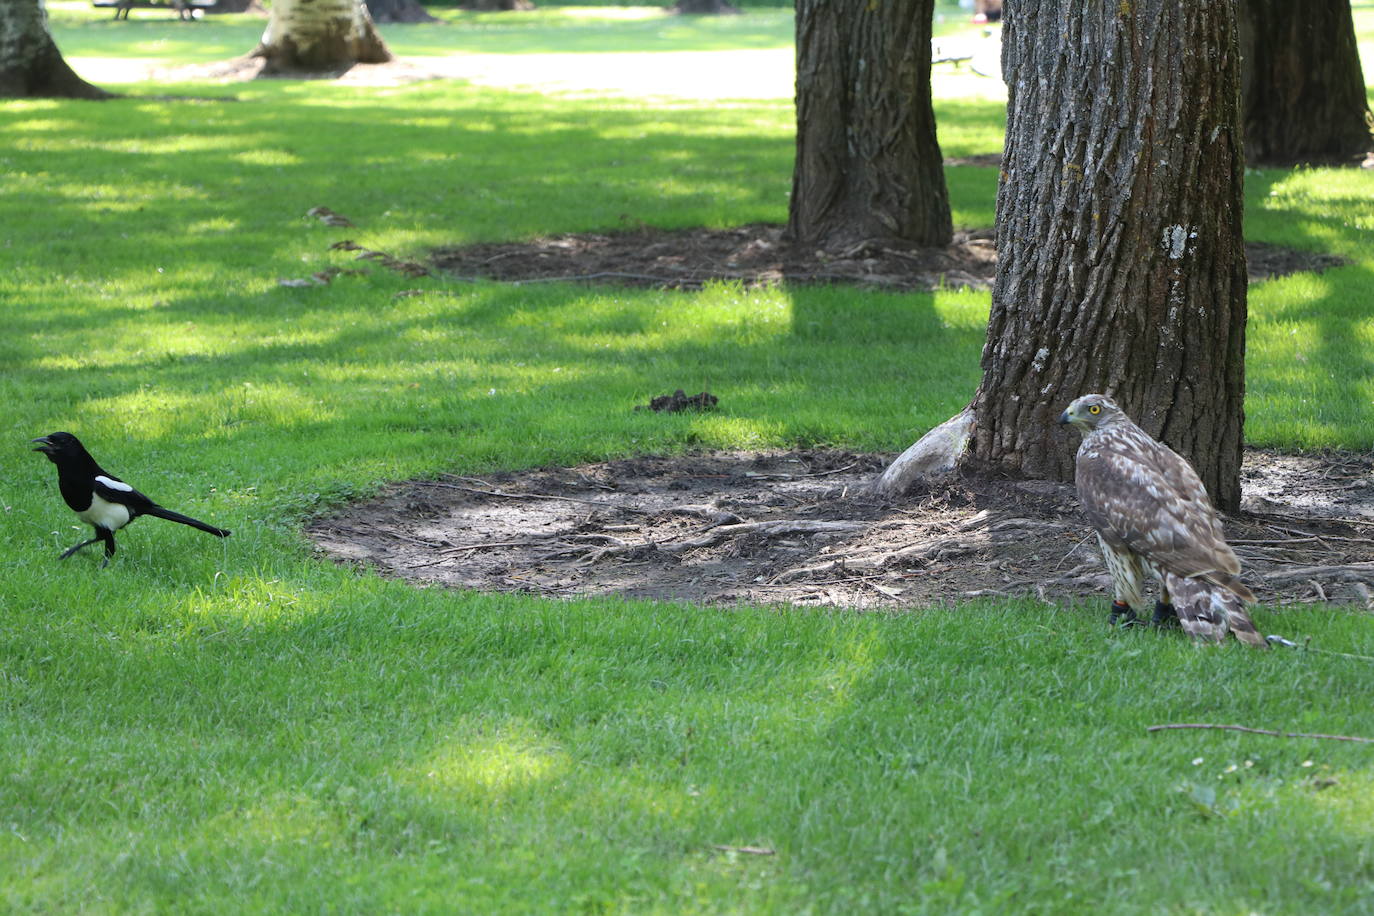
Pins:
x,y
1153,516
99,498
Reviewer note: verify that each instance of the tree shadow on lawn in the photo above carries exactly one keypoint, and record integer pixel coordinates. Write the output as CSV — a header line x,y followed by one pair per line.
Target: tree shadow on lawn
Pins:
x,y
638,163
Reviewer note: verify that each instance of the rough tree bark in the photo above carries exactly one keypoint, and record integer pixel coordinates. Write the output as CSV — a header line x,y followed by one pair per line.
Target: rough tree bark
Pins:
x,y
312,36
1302,91
1121,267
30,64
868,165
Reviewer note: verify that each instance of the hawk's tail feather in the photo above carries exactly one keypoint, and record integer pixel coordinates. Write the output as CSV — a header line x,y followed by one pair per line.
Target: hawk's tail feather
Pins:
x,y
1233,585
1209,611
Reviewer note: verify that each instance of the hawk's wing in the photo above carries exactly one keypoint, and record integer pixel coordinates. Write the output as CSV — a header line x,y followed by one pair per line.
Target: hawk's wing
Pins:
x,y
1141,495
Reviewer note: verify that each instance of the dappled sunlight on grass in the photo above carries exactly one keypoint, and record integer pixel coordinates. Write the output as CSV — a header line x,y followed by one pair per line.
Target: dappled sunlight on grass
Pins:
x,y
267,157
1311,373
291,819
1346,794
497,757
43,125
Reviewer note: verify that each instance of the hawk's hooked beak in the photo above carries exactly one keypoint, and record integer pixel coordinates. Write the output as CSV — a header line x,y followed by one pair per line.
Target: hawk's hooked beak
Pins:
x,y
46,445
1063,418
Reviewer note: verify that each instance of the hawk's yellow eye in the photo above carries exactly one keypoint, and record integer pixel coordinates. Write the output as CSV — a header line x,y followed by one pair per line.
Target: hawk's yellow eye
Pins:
x,y
1095,409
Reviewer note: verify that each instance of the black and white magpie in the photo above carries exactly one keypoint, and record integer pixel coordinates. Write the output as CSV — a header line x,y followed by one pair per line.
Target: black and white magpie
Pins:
x,y
99,498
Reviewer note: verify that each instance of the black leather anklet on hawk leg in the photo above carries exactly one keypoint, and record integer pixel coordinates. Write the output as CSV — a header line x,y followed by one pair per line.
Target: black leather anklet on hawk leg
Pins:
x,y
1166,618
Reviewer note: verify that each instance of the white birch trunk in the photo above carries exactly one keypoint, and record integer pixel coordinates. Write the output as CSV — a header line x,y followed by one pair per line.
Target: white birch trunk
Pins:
x,y
314,35
30,64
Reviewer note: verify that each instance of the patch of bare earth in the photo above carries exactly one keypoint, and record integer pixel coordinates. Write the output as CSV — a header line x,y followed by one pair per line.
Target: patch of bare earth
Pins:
x,y
247,68
759,255
801,528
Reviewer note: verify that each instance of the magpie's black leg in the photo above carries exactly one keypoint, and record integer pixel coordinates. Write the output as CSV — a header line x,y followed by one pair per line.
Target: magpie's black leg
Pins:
x,y
1123,615
108,538
67,553
1165,616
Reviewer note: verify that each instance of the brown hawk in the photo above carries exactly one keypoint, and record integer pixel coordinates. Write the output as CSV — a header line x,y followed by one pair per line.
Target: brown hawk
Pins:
x,y
1152,515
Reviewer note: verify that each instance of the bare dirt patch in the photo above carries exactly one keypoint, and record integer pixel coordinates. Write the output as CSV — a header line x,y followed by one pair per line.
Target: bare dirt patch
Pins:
x,y
758,255
801,528
247,68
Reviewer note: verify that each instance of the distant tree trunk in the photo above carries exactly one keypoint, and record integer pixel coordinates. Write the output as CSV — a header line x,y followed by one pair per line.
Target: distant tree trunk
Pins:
x,y
320,35
1121,267
499,6
868,166
398,11
1303,91
704,7
30,64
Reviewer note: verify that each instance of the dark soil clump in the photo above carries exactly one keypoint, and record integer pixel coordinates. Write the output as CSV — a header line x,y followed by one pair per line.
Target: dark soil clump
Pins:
x,y
678,400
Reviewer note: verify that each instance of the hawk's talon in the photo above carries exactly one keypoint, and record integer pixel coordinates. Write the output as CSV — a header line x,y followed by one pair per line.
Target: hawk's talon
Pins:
x,y
1166,618
1123,615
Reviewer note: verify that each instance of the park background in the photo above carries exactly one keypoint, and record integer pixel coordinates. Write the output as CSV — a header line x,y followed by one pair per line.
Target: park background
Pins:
x,y
241,725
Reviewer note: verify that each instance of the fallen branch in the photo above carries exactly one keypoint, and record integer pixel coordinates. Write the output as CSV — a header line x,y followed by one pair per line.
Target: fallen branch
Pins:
x,y
599,275
612,540
800,476
719,533
847,580
504,494
1258,731
712,514
1358,572
1315,535
749,850
448,552
921,550
766,529
1315,519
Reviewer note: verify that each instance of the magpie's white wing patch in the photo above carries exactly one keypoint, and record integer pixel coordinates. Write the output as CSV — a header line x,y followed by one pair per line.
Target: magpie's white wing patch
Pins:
x,y
113,484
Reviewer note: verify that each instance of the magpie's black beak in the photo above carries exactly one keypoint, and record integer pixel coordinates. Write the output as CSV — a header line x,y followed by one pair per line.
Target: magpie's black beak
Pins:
x,y
45,447
1063,418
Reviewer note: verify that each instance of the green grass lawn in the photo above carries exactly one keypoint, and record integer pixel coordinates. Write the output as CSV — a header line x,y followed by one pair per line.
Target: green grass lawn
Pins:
x,y
212,726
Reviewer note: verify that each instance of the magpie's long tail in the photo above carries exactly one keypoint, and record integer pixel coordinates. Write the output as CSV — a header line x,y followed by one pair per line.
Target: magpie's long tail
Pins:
x,y
185,520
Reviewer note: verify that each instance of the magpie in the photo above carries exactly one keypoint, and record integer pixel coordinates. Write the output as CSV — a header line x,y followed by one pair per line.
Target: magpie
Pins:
x,y
101,499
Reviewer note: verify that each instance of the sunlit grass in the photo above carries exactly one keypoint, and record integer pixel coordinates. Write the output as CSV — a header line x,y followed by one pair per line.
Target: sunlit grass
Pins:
x,y
236,725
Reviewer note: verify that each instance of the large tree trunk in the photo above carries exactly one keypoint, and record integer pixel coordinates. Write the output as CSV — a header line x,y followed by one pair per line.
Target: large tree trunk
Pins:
x,y
313,36
868,165
30,64
1303,91
1121,267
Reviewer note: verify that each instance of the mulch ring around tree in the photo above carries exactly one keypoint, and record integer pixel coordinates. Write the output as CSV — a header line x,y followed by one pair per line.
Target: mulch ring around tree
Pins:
x,y
801,528
757,255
